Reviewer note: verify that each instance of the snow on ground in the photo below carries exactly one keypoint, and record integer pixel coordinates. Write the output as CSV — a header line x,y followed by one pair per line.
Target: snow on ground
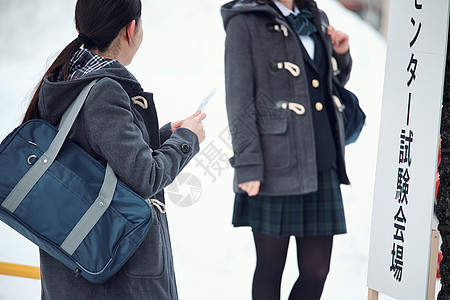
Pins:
x,y
181,61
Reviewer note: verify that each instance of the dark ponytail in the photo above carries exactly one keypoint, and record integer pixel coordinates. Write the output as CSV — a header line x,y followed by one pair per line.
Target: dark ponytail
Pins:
x,y
99,22
61,61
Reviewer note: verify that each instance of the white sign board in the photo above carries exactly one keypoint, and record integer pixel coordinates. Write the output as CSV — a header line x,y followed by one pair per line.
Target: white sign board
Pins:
x,y
408,146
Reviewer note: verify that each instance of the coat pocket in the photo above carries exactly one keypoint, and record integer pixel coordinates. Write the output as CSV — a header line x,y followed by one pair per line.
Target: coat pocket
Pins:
x,y
149,259
274,142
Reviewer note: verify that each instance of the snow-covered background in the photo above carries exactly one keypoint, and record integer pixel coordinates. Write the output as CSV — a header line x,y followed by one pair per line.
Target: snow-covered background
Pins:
x,y
181,61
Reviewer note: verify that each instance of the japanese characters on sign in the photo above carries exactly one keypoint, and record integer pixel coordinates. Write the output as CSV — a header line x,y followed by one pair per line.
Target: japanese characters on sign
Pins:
x,y
404,186
404,163
401,196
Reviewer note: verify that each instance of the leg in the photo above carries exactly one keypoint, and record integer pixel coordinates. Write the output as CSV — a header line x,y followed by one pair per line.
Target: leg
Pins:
x,y
313,255
270,260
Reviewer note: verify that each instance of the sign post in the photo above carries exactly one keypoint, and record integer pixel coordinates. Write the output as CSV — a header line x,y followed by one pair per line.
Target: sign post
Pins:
x,y
400,242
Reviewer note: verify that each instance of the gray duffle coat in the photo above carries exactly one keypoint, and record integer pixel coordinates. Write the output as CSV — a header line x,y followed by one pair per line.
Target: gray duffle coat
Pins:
x,y
116,126
268,103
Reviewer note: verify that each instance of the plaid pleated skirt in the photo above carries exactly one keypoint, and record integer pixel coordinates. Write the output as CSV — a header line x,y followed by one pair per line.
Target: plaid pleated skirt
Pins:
x,y
316,214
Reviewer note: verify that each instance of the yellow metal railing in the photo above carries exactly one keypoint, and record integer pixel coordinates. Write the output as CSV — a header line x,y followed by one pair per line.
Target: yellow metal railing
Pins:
x,y
19,270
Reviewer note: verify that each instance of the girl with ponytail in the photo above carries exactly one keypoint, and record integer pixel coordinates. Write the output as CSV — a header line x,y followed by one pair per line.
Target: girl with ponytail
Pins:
x,y
117,125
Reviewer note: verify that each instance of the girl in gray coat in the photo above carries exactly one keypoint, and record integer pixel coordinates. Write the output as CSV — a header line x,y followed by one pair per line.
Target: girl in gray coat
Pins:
x,y
288,136
117,124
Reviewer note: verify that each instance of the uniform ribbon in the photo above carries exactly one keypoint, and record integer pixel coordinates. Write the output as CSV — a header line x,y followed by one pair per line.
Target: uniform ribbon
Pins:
x,y
302,22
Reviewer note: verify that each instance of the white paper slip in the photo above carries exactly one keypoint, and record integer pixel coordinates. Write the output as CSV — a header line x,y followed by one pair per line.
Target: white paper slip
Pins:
x,y
205,101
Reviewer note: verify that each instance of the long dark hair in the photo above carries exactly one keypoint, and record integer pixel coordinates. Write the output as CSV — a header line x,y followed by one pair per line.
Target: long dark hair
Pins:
x,y
98,22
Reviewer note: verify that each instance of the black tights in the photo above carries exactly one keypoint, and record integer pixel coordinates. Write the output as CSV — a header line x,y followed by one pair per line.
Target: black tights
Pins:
x,y
313,256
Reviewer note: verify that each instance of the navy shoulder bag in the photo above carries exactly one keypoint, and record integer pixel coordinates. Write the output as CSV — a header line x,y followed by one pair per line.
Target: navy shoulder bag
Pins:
x,y
63,200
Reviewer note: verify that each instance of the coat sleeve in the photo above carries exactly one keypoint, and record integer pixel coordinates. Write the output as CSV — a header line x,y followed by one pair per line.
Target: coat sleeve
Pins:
x,y
114,136
239,83
165,132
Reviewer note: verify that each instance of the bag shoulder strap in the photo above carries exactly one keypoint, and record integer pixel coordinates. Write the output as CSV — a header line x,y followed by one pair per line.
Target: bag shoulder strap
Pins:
x,y
325,23
324,20
27,182
24,186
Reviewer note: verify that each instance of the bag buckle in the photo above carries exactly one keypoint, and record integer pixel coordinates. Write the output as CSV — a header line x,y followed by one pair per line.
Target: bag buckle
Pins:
x,y
31,159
